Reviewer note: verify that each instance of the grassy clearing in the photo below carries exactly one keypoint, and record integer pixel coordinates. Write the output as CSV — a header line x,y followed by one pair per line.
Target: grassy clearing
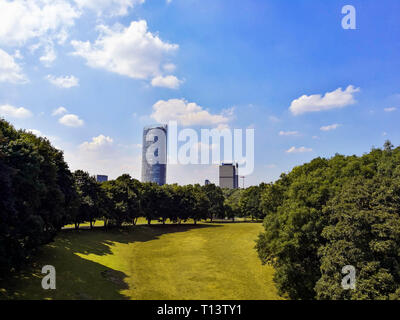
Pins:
x,y
207,261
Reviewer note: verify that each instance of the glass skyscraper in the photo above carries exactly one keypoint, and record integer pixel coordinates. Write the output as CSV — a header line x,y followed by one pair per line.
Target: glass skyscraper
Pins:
x,y
154,154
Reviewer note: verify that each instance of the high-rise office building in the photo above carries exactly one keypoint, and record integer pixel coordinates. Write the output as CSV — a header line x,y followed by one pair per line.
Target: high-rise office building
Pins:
x,y
154,154
101,178
229,176
207,182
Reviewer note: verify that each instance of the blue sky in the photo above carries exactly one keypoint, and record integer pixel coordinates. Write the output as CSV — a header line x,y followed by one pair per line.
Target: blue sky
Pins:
x,y
236,64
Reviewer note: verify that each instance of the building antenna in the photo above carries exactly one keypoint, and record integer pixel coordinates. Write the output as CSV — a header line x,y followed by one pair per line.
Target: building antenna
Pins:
x,y
242,177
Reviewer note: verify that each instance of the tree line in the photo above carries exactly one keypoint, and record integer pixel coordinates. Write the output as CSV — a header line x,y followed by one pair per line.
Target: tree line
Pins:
x,y
125,200
39,195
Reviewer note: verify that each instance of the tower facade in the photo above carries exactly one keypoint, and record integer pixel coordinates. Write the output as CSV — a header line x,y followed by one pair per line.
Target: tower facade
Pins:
x,y
228,176
154,154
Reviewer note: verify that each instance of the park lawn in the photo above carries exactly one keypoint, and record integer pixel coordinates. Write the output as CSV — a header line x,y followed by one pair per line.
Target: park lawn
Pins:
x,y
207,261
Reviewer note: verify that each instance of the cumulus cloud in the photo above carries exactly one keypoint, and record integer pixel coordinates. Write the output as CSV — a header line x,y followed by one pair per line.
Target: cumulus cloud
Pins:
x,y
102,155
10,71
63,82
7,110
170,82
132,51
59,111
390,109
169,67
288,133
98,143
71,120
23,20
317,102
49,55
17,55
187,113
330,127
111,7
298,150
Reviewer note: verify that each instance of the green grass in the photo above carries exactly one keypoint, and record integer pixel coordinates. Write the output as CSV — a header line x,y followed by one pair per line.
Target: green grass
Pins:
x,y
207,261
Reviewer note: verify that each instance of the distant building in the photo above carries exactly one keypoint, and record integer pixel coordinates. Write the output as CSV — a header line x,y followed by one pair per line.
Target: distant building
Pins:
x,y
101,178
228,176
154,154
207,182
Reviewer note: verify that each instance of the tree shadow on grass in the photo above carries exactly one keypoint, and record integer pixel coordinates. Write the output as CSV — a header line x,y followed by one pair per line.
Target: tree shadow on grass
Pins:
x,y
78,278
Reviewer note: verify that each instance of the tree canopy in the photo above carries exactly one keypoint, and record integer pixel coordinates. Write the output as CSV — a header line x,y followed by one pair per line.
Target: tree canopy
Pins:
x,y
334,212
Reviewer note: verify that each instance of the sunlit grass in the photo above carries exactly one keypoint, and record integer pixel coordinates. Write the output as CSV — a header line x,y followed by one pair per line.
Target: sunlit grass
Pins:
x,y
208,261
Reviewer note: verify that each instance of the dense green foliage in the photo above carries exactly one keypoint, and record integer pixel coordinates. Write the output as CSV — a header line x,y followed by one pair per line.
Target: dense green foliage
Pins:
x,y
334,212
37,194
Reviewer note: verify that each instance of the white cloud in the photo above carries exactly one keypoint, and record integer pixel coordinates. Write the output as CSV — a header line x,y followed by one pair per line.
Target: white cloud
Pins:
x,y
59,111
63,82
71,120
331,100
288,133
101,155
330,127
298,150
97,144
390,109
187,113
49,55
14,112
22,20
10,71
111,7
169,67
132,51
18,55
170,82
